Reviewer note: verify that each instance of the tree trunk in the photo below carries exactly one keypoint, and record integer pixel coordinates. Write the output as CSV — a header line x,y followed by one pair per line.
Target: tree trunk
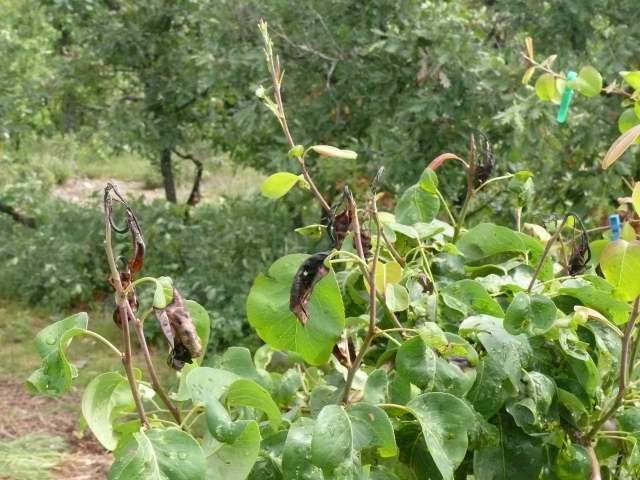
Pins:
x,y
167,176
17,216
195,196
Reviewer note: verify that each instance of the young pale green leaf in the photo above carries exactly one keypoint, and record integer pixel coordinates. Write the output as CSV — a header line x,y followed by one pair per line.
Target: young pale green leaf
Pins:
x,y
546,88
234,461
416,362
620,264
612,308
56,373
312,231
622,143
296,151
627,120
526,78
105,397
238,360
332,440
159,454
329,151
278,184
532,314
201,321
635,198
297,452
163,294
416,205
429,181
632,79
372,428
445,421
588,82
268,312
247,393
396,297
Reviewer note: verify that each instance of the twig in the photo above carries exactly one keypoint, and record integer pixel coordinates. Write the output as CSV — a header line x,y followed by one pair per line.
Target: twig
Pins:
x,y
121,300
622,380
273,64
595,465
155,381
545,253
471,170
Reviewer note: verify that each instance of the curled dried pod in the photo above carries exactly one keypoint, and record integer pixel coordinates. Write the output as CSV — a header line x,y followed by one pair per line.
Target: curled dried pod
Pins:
x,y
345,351
132,298
138,249
580,250
309,273
178,328
484,167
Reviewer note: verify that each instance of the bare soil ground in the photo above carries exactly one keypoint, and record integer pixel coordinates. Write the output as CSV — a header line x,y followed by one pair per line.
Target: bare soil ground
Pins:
x,y
82,459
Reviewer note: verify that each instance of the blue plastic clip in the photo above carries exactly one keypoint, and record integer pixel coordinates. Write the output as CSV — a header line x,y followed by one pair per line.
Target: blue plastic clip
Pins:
x,y
567,95
614,225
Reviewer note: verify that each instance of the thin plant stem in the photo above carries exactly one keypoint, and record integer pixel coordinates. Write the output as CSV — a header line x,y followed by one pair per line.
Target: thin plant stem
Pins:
x,y
471,170
104,341
545,253
121,300
446,207
622,380
155,381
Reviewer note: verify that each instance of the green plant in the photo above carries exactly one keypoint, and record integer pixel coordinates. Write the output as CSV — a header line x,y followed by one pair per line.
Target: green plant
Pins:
x,y
410,347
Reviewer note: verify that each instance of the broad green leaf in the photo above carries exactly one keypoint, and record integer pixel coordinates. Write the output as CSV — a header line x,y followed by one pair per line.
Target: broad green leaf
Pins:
x,y
416,205
429,181
537,397
238,360
56,373
106,396
201,321
632,79
604,302
622,143
234,461
417,363
620,264
278,184
159,454
372,428
312,231
396,297
296,454
163,293
588,82
573,463
467,297
204,383
329,151
532,314
247,393
332,438
375,388
296,151
445,421
268,312
546,88
516,456
386,274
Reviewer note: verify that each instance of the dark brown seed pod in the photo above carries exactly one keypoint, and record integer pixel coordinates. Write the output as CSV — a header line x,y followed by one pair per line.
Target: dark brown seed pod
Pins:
x,y
580,250
178,328
132,298
137,256
309,273
484,168
340,228
345,352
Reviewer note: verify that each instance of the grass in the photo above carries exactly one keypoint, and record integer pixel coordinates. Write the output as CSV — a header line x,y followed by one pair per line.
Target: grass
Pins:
x,y
31,456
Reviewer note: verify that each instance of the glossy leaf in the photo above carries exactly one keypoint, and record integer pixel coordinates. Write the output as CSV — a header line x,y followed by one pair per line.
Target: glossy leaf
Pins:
x,y
396,297
56,373
372,428
296,454
632,79
247,393
588,82
159,454
268,312
546,88
417,363
201,321
445,421
234,461
620,264
533,314
105,397
332,438
416,205
278,184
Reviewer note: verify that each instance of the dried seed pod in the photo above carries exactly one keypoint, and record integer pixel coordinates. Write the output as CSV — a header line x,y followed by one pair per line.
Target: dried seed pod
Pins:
x,y
365,239
137,257
580,251
339,228
177,325
484,168
345,352
309,273
132,298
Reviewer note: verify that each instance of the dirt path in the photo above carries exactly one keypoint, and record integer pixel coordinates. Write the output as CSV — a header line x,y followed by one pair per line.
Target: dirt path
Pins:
x,y
28,421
